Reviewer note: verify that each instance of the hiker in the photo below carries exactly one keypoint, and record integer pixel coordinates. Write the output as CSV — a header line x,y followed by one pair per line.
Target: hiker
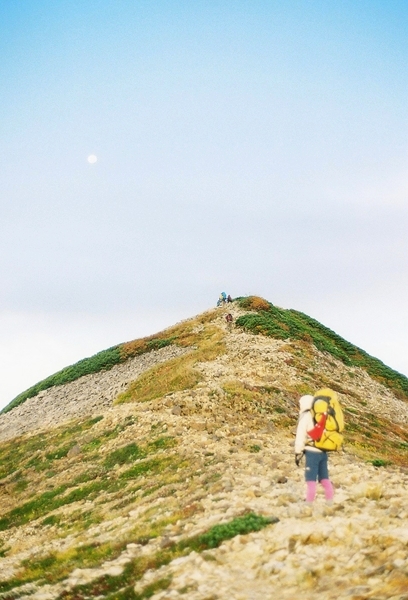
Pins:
x,y
222,299
229,299
316,467
229,320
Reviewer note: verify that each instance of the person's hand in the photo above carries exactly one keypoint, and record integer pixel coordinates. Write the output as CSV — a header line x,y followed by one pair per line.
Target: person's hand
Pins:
x,y
298,458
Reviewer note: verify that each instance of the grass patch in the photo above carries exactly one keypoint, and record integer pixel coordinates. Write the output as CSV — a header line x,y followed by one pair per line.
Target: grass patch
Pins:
x,y
182,334
235,389
59,452
377,439
108,434
162,443
225,531
87,485
154,465
56,566
122,586
52,520
128,593
49,501
102,361
255,448
177,374
378,462
123,455
30,451
172,376
264,400
20,486
282,324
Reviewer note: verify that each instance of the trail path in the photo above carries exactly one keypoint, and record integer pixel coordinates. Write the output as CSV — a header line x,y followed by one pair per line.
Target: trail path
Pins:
x,y
238,460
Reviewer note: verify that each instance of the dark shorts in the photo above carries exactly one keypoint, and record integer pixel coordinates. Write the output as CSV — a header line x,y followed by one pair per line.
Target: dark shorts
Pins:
x,y
316,466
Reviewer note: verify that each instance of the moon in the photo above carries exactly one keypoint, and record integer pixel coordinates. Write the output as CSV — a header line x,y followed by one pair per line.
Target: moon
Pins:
x,y
92,159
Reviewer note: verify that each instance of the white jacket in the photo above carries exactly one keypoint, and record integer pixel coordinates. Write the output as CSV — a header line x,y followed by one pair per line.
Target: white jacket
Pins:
x,y
305,424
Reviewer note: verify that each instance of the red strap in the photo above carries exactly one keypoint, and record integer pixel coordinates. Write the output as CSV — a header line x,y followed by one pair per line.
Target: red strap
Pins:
x,y
317,431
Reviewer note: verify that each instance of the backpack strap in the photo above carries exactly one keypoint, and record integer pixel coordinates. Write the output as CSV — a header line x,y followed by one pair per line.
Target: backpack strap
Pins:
x,y
330,410
317,431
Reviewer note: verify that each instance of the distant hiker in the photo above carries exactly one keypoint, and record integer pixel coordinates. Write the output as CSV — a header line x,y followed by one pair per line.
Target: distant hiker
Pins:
x,y
316,467
222,299
229,299
229,320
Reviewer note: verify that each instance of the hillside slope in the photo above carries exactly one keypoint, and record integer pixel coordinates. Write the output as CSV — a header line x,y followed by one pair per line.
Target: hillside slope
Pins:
x,y
171,474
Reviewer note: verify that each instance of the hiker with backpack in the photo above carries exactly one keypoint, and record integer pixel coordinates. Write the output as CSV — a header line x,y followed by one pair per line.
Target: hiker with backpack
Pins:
x,y
318,432
222,299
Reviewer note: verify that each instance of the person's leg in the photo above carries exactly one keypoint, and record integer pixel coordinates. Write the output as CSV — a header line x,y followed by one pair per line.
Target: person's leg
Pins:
x,y
311,472
311,487
328,489
323,476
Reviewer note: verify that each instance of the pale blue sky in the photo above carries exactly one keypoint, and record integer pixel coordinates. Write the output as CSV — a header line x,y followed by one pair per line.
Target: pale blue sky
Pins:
x,y
253,147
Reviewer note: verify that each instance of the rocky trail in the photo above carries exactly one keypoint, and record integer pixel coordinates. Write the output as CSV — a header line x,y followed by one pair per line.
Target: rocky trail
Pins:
x,y
209,455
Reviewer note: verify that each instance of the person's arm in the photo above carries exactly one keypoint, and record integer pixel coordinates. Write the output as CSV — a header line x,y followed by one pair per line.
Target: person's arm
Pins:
x,y
305,423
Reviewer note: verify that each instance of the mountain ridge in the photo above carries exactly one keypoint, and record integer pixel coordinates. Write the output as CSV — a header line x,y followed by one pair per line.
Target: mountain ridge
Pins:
x,y
171,475
262,317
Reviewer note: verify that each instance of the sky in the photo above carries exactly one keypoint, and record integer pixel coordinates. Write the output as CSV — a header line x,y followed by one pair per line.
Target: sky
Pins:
x,y
247,146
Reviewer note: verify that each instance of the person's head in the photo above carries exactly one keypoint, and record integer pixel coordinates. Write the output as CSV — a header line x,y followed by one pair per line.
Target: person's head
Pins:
x,y
305,403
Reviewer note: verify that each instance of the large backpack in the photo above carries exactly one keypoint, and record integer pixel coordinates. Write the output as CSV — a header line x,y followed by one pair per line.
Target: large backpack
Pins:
x,y
329,420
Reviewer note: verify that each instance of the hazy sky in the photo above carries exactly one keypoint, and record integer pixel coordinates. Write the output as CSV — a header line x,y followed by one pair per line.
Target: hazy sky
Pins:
x,y
253,147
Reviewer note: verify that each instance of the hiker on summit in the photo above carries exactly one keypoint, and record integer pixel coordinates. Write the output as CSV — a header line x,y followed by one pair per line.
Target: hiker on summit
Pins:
x,y
316,467
222,299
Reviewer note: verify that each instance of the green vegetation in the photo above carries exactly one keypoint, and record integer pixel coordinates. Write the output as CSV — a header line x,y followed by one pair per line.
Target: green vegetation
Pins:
x,y
138,486
378,462
102,361
264,400
123,455
178,373
238,526
255,448
181,335
122,586
49,501
172,376
39,453
282,324
266,319
154,465
56,566
96,482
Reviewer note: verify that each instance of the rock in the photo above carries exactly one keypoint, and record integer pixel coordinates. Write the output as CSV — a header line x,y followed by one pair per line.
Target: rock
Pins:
x,y
74,451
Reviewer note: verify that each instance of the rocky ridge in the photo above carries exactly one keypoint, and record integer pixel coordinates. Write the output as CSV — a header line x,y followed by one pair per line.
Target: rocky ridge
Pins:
x,y
85,396
232,447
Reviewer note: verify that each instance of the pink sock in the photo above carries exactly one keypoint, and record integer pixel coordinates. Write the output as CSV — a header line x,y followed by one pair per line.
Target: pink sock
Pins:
x,y
328,488
310,490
